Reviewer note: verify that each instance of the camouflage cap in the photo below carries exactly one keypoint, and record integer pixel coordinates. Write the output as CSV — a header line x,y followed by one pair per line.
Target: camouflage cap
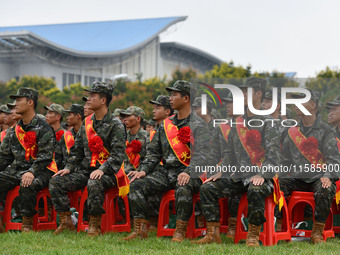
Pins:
x,y
152,122
254,82
55,108
26,92
182,86
336,101
269,95
4,108
198,102
76,108
315,95
85,99
117,112
228,98
328,106
101,87
11,105
162,100
133,110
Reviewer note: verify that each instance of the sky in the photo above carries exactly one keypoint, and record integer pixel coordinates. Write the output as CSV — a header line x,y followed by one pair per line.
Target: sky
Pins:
x,y
284,35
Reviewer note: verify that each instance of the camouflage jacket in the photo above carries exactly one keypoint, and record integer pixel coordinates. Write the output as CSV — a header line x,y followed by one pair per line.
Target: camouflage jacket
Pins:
x,y
58,156
337,132
234,153
11,149
291,156
113,134
141,136
160,149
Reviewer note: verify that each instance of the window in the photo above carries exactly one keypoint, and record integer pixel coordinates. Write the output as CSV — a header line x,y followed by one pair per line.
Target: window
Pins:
x,y
70,78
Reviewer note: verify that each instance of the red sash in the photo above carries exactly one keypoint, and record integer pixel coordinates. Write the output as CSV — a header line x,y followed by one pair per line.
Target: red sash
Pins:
x,y
69,140
32,151
3,134
337,194
133,157
122,180
338,143
225,130
152,134
182,151
241,131
297,138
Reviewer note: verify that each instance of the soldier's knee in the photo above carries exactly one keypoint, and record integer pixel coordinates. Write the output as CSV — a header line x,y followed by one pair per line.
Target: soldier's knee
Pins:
x,y
207,188
91,183
182,191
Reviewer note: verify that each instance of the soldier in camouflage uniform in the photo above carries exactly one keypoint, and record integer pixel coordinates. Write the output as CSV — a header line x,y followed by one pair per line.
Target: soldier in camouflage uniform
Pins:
x,y
61,183
3,110
32,174
100,177
133,116
334,115
322,182
258,185
7,121
175,174
116,114
54,117
150,125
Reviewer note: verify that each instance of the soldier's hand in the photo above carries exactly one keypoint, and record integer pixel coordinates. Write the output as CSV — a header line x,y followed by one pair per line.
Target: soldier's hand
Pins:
x,y
326,182
138,175
183,178
62,172
96,174
132,173
26,179
214,177
257,180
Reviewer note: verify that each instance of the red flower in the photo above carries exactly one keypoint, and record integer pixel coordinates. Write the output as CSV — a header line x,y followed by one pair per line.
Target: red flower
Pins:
x,y
59,135
30,138
96,144
253,138
310,146
134,147
184,135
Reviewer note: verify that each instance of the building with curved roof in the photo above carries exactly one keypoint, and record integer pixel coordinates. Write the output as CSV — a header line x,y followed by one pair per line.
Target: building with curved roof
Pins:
x,y
95,51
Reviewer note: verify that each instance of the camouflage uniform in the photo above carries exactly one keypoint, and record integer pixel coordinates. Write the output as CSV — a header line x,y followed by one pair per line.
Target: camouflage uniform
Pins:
x,y
307,181
112,132
141,136
58,153
234,154
11,150
165,178
329,105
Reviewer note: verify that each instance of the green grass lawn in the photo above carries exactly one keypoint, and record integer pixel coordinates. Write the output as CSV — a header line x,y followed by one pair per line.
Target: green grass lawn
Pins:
x,y
71,243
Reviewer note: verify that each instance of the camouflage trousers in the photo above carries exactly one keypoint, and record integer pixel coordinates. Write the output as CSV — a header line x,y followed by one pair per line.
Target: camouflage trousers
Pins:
x,y
211,192
27,195
60,185
323,197
158,183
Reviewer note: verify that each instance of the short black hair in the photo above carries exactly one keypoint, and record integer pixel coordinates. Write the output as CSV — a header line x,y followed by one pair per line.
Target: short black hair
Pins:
x,y
171,110
186,93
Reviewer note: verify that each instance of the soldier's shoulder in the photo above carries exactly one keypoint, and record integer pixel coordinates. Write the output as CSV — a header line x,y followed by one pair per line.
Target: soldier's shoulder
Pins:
x,y
326,128
143,132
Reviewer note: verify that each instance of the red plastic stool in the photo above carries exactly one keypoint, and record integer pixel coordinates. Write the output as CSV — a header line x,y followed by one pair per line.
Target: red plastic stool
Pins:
x,y
296,205
39,223
224,214
163,218
112,211
336,211
108,223
268,236
74,197
192,231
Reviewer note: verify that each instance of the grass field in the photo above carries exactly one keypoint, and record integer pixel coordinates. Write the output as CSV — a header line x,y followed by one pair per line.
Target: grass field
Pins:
x,y
71,243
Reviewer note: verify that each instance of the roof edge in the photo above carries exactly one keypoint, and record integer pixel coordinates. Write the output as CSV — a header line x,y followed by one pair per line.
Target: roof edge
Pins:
x,y
76,53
